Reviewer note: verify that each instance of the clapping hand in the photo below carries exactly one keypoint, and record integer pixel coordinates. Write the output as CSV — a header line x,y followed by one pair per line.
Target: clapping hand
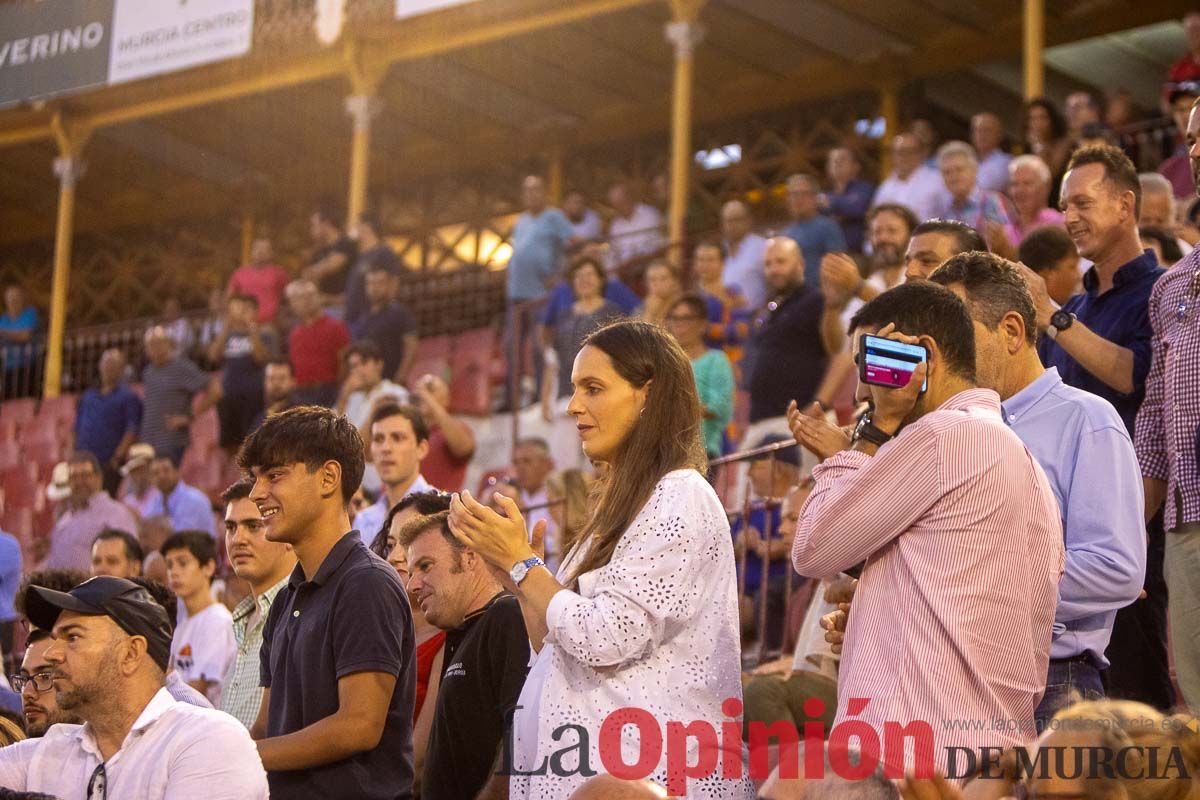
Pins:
x,y
816,434
835,627
499,539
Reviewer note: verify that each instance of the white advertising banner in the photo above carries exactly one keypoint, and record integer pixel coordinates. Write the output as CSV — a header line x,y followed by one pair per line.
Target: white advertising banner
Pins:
x,y
151,37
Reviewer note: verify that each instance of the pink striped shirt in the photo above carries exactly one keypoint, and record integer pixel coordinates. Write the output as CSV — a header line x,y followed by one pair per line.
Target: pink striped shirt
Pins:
x,y
963,545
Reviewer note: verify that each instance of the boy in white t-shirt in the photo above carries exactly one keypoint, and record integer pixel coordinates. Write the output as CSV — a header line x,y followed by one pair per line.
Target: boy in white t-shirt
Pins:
x,y
203,646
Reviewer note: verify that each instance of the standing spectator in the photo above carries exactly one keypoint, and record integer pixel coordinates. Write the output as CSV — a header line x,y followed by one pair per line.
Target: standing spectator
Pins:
x,y
188,507
373,252
202,649
141,495
585,222
387,322
714,374
87,511
743,253
966,202
279,385
728,311
539,240
532,467
1159,213
337,711
1177,168
1101,341
362,391
333,253
266,567
35,684
1049,252
987,136
451,441
1082,108
1168,445
488,649
314,346
137,740
662,290
179,328
240,349
18,326
925,472
1046,134
891,227
934,241
1029,186
116,553
170,383
108,417
849,196
913,183
398,441
1088,458
10,579
635,230
563,295
261,279
152,532
566,333
815,233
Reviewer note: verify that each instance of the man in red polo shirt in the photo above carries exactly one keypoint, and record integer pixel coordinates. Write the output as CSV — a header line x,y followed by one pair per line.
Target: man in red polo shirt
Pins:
x,y
314,346
262,279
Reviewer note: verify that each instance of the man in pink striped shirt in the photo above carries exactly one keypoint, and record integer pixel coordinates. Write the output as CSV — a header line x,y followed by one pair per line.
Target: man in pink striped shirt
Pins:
x,y
962,540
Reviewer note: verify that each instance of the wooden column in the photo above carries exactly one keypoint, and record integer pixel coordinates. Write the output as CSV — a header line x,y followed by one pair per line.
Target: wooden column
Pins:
x,y
684,32
1034,44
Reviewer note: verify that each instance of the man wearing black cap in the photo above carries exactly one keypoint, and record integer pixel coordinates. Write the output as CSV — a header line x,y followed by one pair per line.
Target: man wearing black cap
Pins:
x,y
110,651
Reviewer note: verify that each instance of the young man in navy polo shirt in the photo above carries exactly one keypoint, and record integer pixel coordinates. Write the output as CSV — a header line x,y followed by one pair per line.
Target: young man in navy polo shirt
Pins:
x,y
337,663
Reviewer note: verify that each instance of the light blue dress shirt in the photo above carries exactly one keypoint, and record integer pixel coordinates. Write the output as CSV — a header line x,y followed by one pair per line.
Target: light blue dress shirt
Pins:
x,y
1088,457
190,510
537,252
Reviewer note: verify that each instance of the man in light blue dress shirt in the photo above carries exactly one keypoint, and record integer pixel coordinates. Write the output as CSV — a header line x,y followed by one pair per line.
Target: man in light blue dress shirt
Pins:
x,y
1082,445
188,507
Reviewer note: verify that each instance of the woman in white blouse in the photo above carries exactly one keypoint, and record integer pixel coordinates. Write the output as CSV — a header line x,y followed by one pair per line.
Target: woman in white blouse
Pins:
x,y
643,611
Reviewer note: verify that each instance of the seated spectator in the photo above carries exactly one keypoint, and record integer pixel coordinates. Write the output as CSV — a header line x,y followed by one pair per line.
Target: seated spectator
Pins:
x,y
485,632
562,296
686,321
35,683
333,253
175,685
203,648
1177,167
398,441
815,233
728,311
843,282
635,231
912,184
1158,211
373,253
279,386
1029,185
151,534
386,322
314,346
983,210
849,196
1050,252
188,507
240,349
451,441
565,334
108,417
1082,108
743,253
88,510
170,383
663,288
1165,246
532,467
141,495
111,677
585,222
365,384
936,240
266,566
262,279
117,554
762,549
1047,138
987,137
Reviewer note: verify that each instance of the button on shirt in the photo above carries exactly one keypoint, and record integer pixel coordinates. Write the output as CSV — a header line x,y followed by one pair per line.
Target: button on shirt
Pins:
x,y
964,549
352,617
174,750
190,510
1085,451
102,419
1168,425
1120,315
242,695
537,252
71,539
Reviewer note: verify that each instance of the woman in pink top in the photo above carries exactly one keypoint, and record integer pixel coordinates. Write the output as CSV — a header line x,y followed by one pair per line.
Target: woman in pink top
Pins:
x,y
1029,185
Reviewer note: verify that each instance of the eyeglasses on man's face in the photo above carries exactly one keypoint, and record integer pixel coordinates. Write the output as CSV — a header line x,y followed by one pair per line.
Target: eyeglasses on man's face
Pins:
x,y
42,681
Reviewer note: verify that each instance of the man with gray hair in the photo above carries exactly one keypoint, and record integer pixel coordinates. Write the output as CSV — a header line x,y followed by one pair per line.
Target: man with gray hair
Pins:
x,y
967,202
815,233
170,383
912,183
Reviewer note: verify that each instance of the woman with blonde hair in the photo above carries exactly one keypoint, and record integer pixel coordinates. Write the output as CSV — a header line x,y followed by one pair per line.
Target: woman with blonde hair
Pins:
x,y
567,492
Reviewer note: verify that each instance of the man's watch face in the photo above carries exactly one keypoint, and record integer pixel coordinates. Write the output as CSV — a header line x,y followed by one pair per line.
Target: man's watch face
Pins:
x,y
1061,320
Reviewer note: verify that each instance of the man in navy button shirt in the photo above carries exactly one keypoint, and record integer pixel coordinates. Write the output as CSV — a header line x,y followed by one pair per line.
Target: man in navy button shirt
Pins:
x,y
337,665
1100,341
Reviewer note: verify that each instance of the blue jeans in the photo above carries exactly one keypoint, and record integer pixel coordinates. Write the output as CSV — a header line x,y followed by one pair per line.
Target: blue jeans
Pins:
x,y
1068,681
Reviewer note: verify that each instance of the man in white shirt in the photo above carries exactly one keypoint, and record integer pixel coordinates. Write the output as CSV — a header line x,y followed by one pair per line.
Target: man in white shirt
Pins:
x,y
987,134
912,183
363,389
203,647
584,221
635,230
399,439
110,651
532,465
744,250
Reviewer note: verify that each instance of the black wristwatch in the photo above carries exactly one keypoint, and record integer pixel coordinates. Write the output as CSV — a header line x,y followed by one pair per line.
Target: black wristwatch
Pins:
x,y
865,429
1059,321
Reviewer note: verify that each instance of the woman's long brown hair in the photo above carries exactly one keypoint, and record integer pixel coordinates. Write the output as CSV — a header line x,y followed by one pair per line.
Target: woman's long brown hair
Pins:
x,y
666,436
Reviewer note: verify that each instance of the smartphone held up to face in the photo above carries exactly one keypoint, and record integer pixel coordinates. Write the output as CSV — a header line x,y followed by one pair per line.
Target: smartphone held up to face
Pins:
x,y
886,362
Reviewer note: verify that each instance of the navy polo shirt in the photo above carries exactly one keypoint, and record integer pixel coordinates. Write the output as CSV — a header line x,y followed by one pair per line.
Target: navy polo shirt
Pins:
x,y
1122,316
103,419
789,356
353,616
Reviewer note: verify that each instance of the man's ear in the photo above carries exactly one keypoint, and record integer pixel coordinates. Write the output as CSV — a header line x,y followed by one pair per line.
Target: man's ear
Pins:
x,y
1013,327
331,478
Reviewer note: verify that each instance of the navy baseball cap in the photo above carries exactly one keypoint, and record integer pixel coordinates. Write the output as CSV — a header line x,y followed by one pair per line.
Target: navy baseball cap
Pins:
x,y
130,606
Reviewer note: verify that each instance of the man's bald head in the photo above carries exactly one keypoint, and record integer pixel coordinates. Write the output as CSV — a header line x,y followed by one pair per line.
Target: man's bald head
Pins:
x,y
606,787
783,264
